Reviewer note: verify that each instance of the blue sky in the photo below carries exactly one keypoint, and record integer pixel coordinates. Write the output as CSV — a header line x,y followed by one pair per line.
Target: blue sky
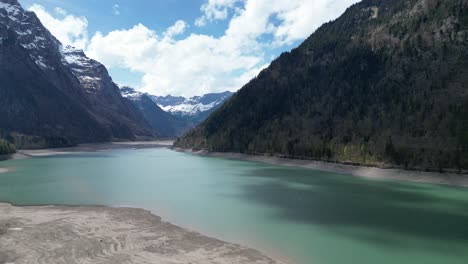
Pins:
x,y
184,47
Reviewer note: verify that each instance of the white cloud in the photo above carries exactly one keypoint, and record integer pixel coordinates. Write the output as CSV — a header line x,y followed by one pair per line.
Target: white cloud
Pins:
x,y
60,11
116,9
287,21
69,29
178,28
215,10
197,63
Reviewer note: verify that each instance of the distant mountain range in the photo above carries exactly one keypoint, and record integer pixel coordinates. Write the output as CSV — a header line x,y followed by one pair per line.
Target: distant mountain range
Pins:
x,y
194,109
51,95
384,84
193,106
170,115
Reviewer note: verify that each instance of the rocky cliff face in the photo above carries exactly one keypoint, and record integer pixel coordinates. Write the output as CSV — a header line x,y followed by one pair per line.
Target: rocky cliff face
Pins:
x,y
104,95
55,92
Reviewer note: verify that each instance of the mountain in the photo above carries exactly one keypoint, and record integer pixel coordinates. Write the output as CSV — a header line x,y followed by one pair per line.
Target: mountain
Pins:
x,y
165,124
51,95
384,84
196,108
172,116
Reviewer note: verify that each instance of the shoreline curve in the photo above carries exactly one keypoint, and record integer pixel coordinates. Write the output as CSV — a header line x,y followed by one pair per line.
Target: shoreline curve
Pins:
x,y
446,178
88,234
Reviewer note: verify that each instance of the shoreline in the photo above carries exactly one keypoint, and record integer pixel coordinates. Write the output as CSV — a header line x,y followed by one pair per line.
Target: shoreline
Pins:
x,y
87,234
84,148
446,178
91,147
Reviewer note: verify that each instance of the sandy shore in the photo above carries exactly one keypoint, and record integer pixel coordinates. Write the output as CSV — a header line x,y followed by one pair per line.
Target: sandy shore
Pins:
x,y
452,179
97,147
58,234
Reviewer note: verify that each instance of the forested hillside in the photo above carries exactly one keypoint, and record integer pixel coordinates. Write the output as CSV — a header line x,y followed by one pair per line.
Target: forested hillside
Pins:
x,y
384,84
6,147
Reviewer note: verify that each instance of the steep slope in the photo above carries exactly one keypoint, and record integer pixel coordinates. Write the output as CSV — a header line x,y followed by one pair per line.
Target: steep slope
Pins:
x,y
41,96
104,96
386,83
165,124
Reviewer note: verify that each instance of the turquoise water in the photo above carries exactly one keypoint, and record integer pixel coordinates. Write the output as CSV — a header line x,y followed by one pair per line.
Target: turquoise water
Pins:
x,y
304,216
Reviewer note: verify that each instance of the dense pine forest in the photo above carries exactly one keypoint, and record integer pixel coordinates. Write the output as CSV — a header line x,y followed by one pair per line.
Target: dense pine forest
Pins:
x,y
384,84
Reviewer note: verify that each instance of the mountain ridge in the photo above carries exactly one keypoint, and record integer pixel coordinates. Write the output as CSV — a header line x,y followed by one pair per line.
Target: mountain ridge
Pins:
x,y
157,110
192,106
383,84
42,100
164,123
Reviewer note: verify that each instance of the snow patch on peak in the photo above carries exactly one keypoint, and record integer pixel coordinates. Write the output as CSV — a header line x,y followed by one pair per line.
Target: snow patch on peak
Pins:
x,y
70,49
13,11
75,56
86,70
130,93
40,61
190,106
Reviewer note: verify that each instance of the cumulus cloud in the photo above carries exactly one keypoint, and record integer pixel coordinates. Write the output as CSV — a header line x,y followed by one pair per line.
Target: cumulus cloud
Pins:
x,y
193,64
215,10
178,28
69,29
287,21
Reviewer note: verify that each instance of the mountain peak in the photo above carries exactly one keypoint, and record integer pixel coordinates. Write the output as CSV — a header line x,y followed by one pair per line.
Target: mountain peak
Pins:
x,y
57,91
192,106
70,49
129,92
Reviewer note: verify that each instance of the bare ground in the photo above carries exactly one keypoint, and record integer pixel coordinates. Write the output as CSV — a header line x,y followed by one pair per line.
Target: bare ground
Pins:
x,y
57,234
95,147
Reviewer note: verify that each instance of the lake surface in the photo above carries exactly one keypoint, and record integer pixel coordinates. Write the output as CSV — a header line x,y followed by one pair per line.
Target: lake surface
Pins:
x,y
302,215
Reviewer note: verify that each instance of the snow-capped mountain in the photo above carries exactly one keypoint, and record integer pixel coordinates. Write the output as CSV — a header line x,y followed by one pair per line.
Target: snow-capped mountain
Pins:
x,y
88,71
51,91
28,32
174,115
192,106
166,124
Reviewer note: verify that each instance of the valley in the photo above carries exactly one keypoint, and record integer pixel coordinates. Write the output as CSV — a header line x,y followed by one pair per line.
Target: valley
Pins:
x,y
298,132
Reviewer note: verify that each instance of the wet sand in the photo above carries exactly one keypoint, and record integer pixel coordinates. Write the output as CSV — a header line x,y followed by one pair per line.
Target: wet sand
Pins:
x,y
58,234
452,179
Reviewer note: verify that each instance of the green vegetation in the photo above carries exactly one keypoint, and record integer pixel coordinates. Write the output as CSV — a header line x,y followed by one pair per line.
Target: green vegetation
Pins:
x,y
6,147
23,141
390,90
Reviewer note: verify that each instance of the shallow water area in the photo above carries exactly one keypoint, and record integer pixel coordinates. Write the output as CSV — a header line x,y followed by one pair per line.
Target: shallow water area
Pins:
x,y
302,215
